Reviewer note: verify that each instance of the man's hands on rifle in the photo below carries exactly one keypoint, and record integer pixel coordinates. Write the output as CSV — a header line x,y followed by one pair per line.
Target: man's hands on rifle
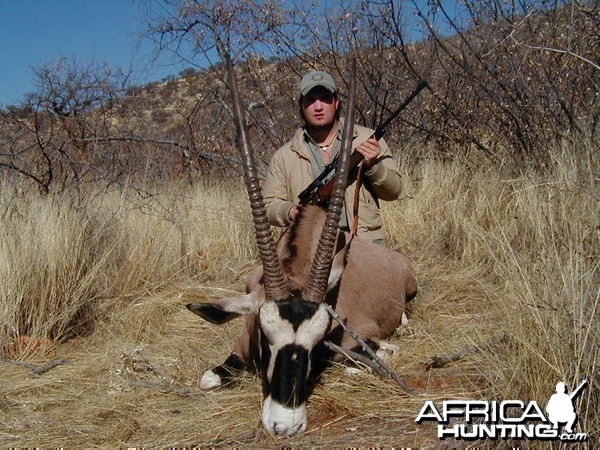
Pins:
x,y
370,149
319,191
293,212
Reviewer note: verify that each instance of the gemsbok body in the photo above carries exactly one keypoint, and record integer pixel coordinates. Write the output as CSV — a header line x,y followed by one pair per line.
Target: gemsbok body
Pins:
x,y
313,263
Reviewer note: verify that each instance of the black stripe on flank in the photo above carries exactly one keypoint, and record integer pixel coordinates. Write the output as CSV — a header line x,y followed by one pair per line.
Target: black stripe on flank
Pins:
x,y
297,311
290,374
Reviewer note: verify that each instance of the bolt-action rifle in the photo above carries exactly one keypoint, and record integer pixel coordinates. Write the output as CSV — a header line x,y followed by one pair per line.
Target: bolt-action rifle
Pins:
x,y
319,191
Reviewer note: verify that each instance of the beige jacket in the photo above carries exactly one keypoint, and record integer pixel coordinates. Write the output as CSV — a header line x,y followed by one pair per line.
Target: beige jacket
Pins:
x,y
291,171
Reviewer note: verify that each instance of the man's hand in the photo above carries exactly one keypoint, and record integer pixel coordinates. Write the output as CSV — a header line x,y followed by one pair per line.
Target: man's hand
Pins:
x,y
371,150
293,212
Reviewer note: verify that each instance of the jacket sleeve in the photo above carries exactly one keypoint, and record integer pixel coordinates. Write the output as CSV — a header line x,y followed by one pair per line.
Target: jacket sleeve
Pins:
x,y
275,192
384,176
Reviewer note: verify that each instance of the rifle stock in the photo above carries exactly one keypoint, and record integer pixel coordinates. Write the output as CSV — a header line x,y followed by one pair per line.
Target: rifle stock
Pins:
x,y
320,195
318,192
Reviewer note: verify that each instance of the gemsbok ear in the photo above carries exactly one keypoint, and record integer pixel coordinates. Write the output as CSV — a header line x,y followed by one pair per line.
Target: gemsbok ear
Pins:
x,y
212,313
226,309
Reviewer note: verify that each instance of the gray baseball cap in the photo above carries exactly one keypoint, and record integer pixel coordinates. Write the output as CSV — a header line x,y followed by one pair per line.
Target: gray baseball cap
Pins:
x,y
317,78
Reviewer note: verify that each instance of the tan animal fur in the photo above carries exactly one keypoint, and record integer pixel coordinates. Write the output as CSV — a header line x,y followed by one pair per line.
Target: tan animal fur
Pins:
x,y
374,288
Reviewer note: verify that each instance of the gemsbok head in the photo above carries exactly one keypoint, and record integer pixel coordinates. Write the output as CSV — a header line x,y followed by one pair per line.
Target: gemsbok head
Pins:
x,y
313,263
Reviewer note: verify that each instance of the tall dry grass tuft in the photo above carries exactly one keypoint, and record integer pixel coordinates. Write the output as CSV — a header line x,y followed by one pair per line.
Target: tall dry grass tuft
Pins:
x,y
525,251
549,259
65,264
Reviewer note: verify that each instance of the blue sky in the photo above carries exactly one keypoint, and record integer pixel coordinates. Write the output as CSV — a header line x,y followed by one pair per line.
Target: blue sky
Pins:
x,y
35,32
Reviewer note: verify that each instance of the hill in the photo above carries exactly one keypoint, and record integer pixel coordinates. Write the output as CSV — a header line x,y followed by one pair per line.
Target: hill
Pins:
x,y
508,86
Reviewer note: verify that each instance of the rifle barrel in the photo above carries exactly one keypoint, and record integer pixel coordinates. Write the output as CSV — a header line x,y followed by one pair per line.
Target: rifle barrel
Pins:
x,y
575,393
381,128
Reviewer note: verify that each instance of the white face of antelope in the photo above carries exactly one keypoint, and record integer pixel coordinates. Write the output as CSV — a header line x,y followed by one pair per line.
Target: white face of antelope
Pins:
x,y
289,331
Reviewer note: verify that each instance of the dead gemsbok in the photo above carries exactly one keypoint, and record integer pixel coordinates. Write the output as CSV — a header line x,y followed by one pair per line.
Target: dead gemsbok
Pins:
x,y
287,322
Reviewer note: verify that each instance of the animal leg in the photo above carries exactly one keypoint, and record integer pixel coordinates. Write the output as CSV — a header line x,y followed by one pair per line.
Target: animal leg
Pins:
x,y
351,367
369,332
404,319
245,352
223,373
383,354
387,349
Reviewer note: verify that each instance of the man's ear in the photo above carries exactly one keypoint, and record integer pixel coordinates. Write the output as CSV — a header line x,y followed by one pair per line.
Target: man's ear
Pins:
x,y
226,309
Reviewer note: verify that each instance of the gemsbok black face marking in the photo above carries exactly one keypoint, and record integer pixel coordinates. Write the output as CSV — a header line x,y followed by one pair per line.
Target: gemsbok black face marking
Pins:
x,y
289,330
286,319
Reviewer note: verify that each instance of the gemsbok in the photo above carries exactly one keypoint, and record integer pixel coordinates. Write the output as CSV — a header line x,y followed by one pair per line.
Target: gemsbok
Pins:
x,y
313,263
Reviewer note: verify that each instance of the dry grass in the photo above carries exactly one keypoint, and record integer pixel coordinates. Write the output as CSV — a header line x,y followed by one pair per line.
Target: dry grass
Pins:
x,y
107,280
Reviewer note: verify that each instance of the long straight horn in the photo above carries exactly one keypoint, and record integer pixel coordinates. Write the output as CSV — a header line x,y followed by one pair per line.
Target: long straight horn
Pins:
x,y
321,265
273,273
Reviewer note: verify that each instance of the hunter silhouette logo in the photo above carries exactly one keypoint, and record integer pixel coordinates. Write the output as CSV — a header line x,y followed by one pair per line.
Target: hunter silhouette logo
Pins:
x,y
508,419
560,407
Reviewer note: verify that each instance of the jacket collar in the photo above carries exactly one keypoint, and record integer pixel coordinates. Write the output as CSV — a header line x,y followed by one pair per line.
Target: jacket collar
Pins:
x,y
300,146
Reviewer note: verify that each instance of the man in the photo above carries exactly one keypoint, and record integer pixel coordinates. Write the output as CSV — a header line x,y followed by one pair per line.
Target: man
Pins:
x,y
295,165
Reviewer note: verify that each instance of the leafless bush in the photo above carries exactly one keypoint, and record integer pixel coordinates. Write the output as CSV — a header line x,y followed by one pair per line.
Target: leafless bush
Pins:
x,y
508,79
522,75
53,145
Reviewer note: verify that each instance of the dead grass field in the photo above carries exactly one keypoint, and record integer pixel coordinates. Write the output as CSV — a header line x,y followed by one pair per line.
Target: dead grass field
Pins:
x,y
105,282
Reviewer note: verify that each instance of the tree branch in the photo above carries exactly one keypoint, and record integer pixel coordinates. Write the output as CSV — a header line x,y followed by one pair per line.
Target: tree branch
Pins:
x,y
376,359
207,156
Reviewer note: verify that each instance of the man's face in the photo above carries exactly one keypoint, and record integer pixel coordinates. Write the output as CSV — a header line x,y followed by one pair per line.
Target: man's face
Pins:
x,y
319,108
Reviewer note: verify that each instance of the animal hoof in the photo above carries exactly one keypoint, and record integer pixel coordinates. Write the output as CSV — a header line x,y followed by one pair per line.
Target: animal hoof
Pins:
x,y
210,380
404,321
352,371
387,350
